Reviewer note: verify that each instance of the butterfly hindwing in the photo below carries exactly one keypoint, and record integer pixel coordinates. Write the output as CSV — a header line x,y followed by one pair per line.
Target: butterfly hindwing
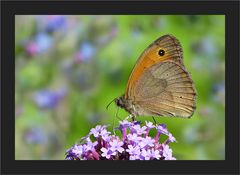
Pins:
x,y
166,88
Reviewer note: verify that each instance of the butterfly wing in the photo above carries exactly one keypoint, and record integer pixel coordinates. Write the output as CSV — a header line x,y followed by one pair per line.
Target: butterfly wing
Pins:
x,y
172,51
165,89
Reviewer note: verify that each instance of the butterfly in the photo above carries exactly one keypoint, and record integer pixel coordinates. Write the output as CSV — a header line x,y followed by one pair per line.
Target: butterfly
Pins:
x,y
159,84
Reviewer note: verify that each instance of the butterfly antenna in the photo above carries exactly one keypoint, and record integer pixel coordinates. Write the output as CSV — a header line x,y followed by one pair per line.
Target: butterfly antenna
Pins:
x,y
110,103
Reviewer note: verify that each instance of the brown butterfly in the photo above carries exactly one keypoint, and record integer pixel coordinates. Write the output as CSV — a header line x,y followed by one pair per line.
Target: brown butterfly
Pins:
x,y
159,83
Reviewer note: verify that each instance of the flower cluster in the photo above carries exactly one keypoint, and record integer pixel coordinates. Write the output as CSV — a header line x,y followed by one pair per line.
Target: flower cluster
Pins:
x,y
135,143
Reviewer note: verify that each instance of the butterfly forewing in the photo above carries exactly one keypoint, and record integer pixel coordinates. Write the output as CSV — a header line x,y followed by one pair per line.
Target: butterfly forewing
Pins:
x,y
172,51
172,47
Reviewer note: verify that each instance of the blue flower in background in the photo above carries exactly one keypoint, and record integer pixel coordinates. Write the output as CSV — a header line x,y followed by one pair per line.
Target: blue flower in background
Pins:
x,y
35,135
40,44
219,93
44,42
48,99
219,87
205,46
208,47
85,52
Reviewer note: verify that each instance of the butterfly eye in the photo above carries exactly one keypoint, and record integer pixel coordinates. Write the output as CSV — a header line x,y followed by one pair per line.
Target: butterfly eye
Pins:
x,y
161,52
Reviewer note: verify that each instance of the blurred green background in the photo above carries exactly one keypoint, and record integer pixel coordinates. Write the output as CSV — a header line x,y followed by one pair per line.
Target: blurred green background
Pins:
x,y
68,68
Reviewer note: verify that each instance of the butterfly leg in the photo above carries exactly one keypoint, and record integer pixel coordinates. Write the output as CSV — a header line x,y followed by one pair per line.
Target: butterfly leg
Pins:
x,y
154,120
116,116
133,118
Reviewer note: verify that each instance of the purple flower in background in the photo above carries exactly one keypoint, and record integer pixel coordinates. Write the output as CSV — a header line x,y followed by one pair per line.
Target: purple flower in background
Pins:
x,y
85,52
55,22
134,144
31,48
35,135
51,23
48,99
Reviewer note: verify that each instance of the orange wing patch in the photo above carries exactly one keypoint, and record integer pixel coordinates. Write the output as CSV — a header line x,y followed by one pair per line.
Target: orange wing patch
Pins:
x,y
164,48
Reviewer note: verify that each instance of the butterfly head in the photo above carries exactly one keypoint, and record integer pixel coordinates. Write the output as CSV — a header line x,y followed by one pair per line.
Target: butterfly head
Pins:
x,y
119,102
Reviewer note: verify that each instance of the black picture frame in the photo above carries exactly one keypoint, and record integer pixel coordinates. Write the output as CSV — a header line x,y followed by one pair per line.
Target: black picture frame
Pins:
x,y
11,8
